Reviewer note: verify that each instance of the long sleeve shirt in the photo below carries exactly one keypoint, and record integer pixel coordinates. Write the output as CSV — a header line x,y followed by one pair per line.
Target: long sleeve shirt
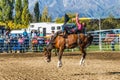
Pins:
x,y
79,25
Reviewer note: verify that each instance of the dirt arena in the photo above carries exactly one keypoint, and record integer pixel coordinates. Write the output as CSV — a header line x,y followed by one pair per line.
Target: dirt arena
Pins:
x,y
31,66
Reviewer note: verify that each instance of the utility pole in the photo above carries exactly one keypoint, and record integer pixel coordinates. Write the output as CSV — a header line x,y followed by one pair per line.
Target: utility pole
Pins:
x,y
100,40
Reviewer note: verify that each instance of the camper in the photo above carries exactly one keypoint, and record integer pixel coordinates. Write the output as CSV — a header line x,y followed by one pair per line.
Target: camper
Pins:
x,y
45,27
19,32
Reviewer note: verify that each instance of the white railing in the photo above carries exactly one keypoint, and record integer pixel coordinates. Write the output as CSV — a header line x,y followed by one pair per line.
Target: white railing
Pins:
x,y
106,43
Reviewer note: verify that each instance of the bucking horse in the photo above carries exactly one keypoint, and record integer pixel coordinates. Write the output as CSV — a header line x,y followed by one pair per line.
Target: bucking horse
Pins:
x,y
73,40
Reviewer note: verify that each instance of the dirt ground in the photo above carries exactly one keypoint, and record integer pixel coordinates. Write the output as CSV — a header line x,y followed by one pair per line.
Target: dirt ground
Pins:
x,y
32,66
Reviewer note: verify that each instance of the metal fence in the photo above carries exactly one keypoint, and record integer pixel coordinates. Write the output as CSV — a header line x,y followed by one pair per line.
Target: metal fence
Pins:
x,y
14,45
105,44
36,45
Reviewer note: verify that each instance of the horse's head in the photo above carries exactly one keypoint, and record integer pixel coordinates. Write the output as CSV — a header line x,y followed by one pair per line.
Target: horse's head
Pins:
x,y
47,54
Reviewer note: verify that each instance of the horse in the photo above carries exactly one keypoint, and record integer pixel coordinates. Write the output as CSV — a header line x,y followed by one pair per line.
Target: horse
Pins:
x,y
72,41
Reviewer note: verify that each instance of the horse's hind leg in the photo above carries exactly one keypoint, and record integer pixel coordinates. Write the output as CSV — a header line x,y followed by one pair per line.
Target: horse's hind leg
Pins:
x,y
83,56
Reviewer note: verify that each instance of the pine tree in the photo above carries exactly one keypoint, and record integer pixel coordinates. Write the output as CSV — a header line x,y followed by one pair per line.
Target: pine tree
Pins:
x,y
37,12
25,13
2,13
1,18
45,17
18,11
6,10
11,4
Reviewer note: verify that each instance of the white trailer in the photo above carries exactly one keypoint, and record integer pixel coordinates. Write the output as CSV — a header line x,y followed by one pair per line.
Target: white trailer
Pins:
x,y
45,27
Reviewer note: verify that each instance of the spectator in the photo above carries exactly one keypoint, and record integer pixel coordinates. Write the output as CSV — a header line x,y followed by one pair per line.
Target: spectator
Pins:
x,y
38,33
113,45
21,43
7,33
1,44
34,44
41,34
25,34
33,33
7,42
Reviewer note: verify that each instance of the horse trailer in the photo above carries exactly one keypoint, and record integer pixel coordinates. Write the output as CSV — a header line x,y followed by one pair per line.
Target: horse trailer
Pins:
x,y
45,27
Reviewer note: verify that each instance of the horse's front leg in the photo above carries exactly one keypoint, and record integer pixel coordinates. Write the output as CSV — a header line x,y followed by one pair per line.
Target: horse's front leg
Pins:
x,y
59,58
83,56
56,52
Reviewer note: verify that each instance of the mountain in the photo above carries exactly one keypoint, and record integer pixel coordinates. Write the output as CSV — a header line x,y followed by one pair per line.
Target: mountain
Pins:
x,y
86,8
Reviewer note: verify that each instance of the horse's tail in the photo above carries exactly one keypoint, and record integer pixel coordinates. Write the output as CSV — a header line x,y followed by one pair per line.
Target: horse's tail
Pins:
x,y
90,39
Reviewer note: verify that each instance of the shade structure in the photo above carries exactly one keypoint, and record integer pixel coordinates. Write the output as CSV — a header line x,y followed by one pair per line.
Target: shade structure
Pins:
x,y
85,18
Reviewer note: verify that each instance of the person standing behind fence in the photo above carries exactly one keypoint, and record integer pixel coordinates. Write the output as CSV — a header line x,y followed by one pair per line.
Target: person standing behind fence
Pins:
x,y
33,34
7,45
113,45
25,34
21,44
41,34
38,33
7,33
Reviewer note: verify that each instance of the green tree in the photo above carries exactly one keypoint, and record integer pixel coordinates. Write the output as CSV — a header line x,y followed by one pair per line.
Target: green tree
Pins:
x,y
45,16
10,9
61,20
2,9
6,10
109,23
49,19
37,12
1,17
25,13
18,11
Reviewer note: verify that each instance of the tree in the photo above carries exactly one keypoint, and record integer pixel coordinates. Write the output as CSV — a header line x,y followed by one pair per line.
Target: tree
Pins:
x,y
6,7
11,6
109,23
1,17
45,17
25,13
2,9
61,20
37,12
18,11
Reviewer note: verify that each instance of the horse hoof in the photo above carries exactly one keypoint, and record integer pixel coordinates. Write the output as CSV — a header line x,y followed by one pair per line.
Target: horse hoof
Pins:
x,y
47,60
59,66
